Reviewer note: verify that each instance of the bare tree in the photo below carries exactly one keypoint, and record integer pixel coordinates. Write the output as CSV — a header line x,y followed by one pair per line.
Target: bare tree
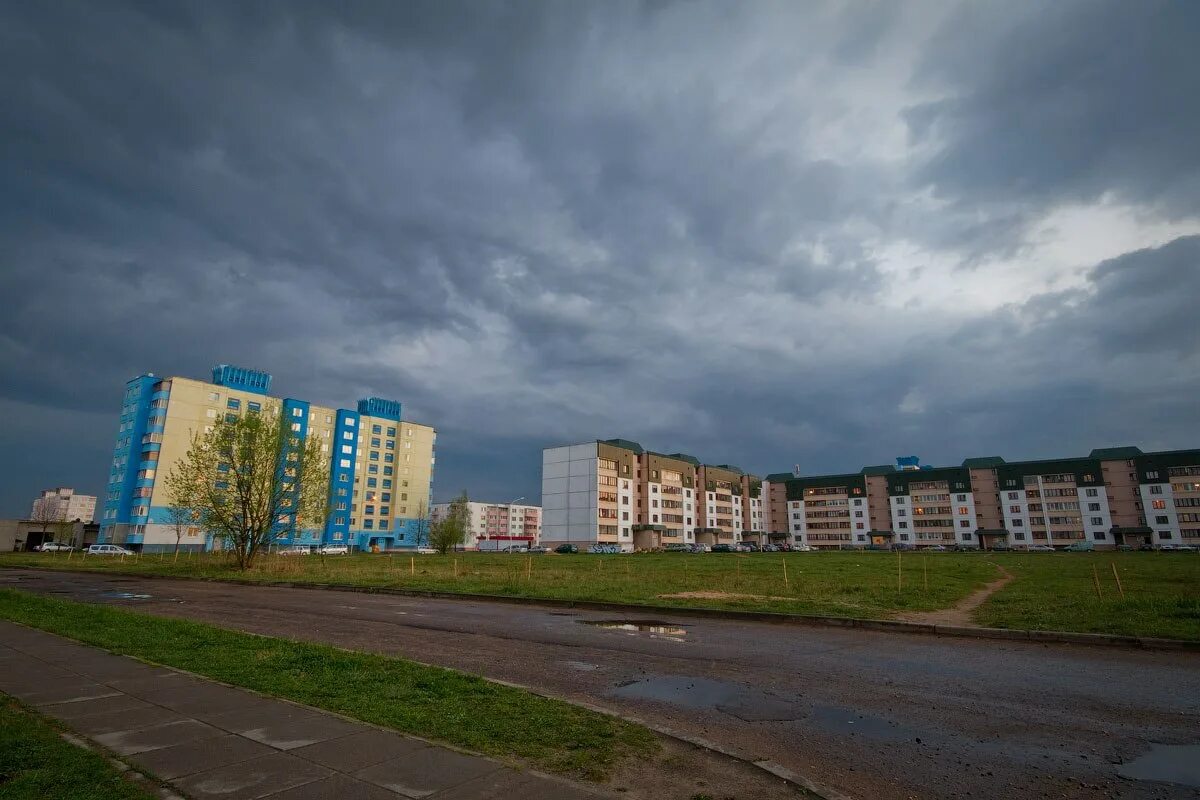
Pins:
x,y
422,531
250,480
46,512
180,518
451,530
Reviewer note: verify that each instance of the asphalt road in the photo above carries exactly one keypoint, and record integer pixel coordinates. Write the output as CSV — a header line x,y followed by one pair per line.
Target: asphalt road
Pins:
x,y
873,714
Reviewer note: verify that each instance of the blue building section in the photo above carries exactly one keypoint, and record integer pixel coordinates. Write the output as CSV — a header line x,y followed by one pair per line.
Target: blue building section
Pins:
x,y
128,471
247,380
295,422
380,407
341,477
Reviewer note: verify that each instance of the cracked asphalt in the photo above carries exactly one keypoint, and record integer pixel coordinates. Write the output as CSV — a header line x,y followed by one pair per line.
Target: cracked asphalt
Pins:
x,y
872,714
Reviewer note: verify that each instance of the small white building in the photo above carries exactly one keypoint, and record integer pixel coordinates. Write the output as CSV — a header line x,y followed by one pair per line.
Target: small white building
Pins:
x,y
497,526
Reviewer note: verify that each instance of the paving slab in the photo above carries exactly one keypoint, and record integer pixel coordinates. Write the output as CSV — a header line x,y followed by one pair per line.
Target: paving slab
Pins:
x,y
425,771
359,750
98,705
200,756
67,692
283,726
114,721
258,777
128,742
509,783
336,787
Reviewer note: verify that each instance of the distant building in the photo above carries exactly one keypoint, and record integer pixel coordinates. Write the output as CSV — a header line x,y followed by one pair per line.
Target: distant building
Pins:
x,y
28,534
1115,496
616,492
496,526
380,476
62,503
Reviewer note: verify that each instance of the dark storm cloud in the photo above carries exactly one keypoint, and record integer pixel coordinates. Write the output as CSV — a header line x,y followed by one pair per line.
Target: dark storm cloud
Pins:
x,y
542,222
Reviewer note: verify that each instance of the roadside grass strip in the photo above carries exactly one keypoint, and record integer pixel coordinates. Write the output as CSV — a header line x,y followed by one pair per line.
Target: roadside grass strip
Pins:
x,y
38,764
434,703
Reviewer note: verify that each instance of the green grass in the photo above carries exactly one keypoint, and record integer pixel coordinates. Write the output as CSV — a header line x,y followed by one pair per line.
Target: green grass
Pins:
x,y
431,702
842,584
37,764
1057,591
1052,591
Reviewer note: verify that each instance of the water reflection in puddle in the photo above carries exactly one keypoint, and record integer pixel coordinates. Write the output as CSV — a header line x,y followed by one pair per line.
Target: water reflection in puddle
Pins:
x,y
637,626
743,702
1168,763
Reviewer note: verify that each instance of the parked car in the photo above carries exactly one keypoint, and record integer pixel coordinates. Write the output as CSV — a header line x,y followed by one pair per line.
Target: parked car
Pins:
x,y
298,550
108,550
770,548
723,548
748,547
333,550
537,548
566,548
53,547
699,548
676,547
1079,547
1177,548
1041,548
937,548
605,549
426,551
801,548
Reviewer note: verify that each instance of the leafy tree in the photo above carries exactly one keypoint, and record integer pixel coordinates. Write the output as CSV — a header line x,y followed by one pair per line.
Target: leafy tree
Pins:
x,y
451,530
249,480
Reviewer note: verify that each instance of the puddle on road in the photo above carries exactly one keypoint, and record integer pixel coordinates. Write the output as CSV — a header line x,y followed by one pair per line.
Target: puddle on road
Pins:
x,y
134,596
582,666
637,626
743,702
1168,763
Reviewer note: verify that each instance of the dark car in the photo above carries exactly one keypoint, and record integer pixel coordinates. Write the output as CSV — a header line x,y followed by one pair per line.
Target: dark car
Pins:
x,y
723,548
566,548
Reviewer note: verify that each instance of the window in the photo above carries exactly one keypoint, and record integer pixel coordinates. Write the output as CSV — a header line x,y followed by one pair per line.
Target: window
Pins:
x,y
1159,504
1014,509
295,427
385,511
903,524
349,422
901,513
1012,495
376,429
1152,475
1162,519
231,417
348,436
386,470
392,432
1093,506
296,412
859,526
858,513
1018,523
962,498
1164,534
383,524
368,509
347,450
1155,490
1097,520
373,469
368,524
374,441
233,404
1090,492
861,537
374,455
964,510
211,413
964,523
1019,536
966,537
1098,536
387,483
386,497
213,397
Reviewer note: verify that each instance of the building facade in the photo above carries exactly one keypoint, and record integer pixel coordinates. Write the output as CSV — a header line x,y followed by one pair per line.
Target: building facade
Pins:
x,y
381,466
1114,497
61,503
615,492
498,526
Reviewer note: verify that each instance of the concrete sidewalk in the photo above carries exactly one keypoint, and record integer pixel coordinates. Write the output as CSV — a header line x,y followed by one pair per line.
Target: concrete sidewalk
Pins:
x,y
212,741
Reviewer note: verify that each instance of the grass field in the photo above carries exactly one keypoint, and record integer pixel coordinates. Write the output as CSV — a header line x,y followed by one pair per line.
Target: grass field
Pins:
x,y
1051,591
434,703
36,764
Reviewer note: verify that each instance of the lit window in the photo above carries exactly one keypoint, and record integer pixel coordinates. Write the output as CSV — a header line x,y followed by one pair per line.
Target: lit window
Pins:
x,y
297,412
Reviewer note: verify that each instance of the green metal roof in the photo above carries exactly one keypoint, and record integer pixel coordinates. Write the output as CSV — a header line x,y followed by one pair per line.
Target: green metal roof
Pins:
x,y
778,477
624,444
983,462
695,462
882,469
1116,453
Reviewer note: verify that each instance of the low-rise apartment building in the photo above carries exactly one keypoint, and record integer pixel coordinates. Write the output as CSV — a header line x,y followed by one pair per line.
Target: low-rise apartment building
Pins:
x,y
1113,497
615,492
497,526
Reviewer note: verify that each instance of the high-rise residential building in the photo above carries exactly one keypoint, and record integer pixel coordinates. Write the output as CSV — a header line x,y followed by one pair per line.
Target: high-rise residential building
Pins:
x,y
615,492
61,503
381,465
497,526
1118,496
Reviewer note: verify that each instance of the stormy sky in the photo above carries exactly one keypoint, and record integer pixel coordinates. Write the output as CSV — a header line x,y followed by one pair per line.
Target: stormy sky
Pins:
x,y
761,233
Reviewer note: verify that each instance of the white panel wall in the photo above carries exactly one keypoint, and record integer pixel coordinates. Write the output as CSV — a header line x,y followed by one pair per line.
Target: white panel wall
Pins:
x,y
1171,527
569,494
1018,521
961,531
1097,533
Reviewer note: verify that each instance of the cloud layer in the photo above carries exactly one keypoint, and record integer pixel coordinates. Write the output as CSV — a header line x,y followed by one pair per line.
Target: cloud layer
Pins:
x,y
766,234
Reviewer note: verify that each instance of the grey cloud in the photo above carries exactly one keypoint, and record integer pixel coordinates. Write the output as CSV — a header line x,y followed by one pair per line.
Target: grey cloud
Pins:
x,y
537,222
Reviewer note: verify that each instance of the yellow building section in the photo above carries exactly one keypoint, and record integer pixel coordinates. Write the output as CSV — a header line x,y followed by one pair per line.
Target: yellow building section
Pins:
x,y
195,406
392,476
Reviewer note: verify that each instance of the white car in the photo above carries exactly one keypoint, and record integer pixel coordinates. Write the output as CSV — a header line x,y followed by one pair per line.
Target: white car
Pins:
x,y
801,548
108,550
294,551
333,550
426,551
54,547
